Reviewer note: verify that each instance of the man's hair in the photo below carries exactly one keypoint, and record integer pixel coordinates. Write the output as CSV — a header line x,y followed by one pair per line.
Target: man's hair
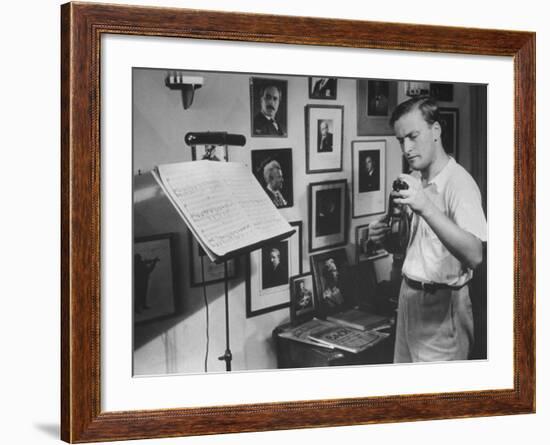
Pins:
x,y
426,104
277,251
268,169
262,92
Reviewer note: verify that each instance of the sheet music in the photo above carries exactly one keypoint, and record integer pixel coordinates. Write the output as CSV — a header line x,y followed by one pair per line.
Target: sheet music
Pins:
x,y
222,203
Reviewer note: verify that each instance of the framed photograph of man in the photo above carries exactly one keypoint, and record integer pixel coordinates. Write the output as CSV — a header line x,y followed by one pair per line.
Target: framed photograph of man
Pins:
x,y
268,271
376,100
442,92
268,107
324,138
273,170
369,177
330,275
327,202
302,298
448,119
199,263
213,153
322,87
367,249
156,289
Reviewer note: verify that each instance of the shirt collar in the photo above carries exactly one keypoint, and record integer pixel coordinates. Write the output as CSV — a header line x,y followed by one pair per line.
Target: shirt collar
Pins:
x,y
443,176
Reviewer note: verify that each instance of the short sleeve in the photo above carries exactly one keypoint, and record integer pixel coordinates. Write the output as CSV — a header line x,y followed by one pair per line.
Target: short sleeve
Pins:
x,y
465,207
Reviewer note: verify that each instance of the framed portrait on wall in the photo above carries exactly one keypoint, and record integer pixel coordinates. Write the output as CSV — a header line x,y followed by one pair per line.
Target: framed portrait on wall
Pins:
x,y
268,107
327,204
368,177
376,100
322,87
273,170
448,118
268,272
324,138
156,290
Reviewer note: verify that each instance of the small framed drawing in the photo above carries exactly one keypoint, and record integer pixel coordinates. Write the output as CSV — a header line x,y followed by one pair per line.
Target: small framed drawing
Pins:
x,y
214,152
268,271
213,273
324,138
376,100
156,289
327,202
273,170
331,280
302,301
367,249
448,119
268,106
368,160
442,92
322,87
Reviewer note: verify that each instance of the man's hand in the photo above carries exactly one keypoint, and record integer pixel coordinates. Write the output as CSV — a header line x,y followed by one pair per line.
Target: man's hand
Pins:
x,y
414,196
378,231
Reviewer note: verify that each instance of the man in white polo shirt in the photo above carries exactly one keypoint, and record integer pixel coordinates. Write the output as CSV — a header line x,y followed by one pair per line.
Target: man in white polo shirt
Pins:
x,y
434,320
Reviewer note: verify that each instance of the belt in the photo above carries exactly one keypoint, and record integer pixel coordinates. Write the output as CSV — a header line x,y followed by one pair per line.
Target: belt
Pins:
x,y
429,287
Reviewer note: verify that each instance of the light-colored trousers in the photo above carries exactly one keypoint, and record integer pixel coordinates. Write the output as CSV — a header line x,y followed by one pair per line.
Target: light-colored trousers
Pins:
x,y
434,326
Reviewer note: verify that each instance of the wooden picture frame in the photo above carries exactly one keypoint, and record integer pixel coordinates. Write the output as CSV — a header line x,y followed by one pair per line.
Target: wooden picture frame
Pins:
x,y
327,214
157,294
368,190
259,125
268,291
82,416
323,88
324,157
372,118
303,304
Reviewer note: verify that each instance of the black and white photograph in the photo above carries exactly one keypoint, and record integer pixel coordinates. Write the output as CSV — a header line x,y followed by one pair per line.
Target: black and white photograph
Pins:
x,y
273,170
324,138
302,298
368,177
366,248
322,87
268,105
327,214
268,272
325,135
262,292
330,271
205,271
155,286
376,100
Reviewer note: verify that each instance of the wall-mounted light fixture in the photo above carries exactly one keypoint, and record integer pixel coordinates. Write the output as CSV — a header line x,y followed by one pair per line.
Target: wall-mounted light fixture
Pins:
x,y
175,80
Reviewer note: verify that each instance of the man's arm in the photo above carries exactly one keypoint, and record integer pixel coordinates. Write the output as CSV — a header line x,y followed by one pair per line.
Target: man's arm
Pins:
x,y
467,248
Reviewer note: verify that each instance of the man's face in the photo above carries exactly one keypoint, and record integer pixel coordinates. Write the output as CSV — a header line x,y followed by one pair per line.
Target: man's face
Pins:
x,y
368,163
324,128
274,258
270,102
276,179
416,138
